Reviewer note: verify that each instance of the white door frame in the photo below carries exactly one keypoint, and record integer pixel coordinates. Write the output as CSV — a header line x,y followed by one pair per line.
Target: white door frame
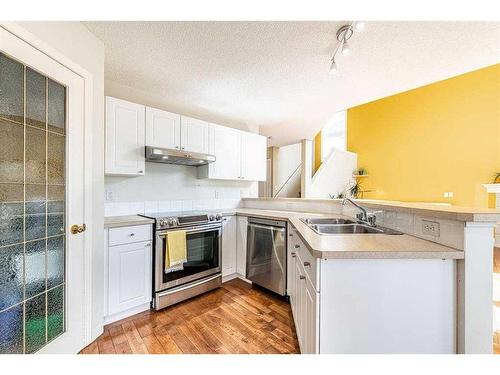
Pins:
x,y
49,51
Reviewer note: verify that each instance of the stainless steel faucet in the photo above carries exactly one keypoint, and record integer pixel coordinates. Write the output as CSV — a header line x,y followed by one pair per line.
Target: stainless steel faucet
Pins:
x,y
363,215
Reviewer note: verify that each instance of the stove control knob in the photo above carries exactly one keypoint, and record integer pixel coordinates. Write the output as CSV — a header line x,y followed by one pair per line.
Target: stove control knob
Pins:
x,y
172,221
218,217
211,217
162,222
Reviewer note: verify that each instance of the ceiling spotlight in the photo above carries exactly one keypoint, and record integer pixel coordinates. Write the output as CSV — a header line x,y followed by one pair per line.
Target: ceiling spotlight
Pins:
x,y
359,26
344,33
333,67
346,49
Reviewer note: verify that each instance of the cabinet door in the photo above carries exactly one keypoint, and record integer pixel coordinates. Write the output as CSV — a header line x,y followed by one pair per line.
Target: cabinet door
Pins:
x,y
163,129
299,303
290,276
229,229
253,157
241,255
125,140
310,321
194,135
225,145
129,277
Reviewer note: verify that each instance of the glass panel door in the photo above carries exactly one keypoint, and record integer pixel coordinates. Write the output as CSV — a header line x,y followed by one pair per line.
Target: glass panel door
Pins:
x,y
32,208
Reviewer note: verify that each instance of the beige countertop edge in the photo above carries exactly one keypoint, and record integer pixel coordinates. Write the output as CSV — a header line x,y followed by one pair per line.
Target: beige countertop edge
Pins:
x,y
424,209
416,248
124,221
425,249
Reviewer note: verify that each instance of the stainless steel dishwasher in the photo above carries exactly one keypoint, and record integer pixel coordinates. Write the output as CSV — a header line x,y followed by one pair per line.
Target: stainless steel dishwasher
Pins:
x,y
266,253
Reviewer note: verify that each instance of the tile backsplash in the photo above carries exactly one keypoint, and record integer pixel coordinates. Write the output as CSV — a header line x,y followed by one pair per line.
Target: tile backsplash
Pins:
x,y
166,188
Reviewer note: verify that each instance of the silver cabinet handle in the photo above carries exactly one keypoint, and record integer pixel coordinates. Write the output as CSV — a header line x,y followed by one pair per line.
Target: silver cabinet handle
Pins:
x,y
302,277
182,148
140,171
297,246
291,234
132,234
177,147
307,264
148,245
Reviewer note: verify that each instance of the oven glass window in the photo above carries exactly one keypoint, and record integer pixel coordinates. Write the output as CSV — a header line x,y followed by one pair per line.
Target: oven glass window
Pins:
x,y
202,255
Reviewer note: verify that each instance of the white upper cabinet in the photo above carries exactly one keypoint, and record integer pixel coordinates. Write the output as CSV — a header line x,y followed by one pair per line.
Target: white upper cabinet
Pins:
x,y
239,155
130,127
225,145
194,135
163,129
253,157
125,141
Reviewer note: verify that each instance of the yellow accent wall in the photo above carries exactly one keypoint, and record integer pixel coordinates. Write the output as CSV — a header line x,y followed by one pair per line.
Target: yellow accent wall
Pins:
x,y
444,137
317,152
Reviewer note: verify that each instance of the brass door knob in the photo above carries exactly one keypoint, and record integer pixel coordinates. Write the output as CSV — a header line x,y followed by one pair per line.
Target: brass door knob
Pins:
x,y
75,229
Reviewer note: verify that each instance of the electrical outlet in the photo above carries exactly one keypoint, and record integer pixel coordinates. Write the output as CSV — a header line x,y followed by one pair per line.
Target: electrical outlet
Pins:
x,y
109,196
430,228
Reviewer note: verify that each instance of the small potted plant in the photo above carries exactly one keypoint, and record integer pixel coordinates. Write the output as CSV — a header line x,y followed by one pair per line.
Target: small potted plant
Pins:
x,y
355,189
496,178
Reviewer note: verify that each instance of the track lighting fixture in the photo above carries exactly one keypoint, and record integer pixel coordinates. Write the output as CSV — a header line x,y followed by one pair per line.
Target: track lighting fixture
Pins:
x,y
345,50
333,67
343,35
359,25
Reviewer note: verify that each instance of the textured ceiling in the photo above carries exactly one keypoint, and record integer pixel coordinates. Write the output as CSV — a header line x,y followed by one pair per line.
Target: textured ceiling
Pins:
x,y
275,74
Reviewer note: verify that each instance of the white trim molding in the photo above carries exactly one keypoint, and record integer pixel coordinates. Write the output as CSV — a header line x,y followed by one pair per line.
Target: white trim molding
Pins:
x,y
475,290
91,331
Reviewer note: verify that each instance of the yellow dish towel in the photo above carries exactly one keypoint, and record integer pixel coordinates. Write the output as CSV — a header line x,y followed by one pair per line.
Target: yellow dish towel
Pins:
x,y
175,250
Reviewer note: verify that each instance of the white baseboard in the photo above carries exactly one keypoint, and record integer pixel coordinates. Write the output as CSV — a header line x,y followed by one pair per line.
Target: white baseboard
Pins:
x,y
125,314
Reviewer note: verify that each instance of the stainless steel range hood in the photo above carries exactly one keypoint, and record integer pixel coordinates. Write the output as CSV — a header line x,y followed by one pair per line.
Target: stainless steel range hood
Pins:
x,y
170,156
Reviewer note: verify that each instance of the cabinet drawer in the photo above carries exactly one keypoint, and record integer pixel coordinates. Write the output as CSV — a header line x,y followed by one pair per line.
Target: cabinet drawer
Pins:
x,y
123,235
308,262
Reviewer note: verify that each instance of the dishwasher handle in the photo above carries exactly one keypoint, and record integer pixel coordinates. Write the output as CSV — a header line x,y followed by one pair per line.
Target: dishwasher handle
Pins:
x,y
268,227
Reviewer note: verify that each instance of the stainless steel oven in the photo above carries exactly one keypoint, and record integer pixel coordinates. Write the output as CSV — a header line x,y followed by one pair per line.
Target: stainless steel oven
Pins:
x,y
202,270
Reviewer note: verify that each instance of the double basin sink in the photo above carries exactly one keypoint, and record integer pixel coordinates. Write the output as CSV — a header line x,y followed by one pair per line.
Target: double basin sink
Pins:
x,y
344,226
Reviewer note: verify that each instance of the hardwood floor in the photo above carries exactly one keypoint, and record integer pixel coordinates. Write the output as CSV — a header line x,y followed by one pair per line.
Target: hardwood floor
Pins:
x,y
236,318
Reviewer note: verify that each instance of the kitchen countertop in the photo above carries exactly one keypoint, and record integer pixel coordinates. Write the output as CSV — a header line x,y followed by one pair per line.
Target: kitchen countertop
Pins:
x,y
338,246
124,221
357,246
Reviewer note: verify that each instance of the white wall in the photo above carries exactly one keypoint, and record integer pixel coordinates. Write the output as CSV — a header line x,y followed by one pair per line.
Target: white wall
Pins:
x,y
334,175
287,159
166,187
85,52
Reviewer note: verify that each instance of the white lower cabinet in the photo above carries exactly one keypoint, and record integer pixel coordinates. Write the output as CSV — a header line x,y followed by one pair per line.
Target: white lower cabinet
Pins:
x,y
304,298
129,272
241,247
229,245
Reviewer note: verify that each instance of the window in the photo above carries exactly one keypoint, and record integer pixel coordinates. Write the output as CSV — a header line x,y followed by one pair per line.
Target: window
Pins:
x,y
334,134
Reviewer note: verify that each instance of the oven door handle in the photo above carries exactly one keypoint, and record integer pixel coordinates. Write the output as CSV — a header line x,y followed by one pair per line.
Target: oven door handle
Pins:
x,y
188,286
191,230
